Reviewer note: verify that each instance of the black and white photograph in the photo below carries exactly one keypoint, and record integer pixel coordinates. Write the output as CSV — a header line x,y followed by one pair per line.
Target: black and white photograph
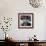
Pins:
x,y
25,20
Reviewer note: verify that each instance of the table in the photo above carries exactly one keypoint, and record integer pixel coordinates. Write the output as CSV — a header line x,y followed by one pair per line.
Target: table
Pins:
x,y
27,42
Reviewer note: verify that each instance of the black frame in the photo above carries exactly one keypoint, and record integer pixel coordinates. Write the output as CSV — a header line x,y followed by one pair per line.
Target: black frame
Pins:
x,y
26,14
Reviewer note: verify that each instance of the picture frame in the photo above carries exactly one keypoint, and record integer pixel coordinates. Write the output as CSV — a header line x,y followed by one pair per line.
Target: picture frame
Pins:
x,y
25,20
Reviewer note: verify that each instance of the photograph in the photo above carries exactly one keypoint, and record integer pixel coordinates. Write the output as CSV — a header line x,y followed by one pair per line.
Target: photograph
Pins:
x,y
25,20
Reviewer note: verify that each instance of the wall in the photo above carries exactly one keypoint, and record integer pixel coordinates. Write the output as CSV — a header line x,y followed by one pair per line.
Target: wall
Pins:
x,y
11,8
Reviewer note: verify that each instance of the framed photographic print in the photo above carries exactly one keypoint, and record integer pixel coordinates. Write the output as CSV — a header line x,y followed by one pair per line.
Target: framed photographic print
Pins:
x,y
25,20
